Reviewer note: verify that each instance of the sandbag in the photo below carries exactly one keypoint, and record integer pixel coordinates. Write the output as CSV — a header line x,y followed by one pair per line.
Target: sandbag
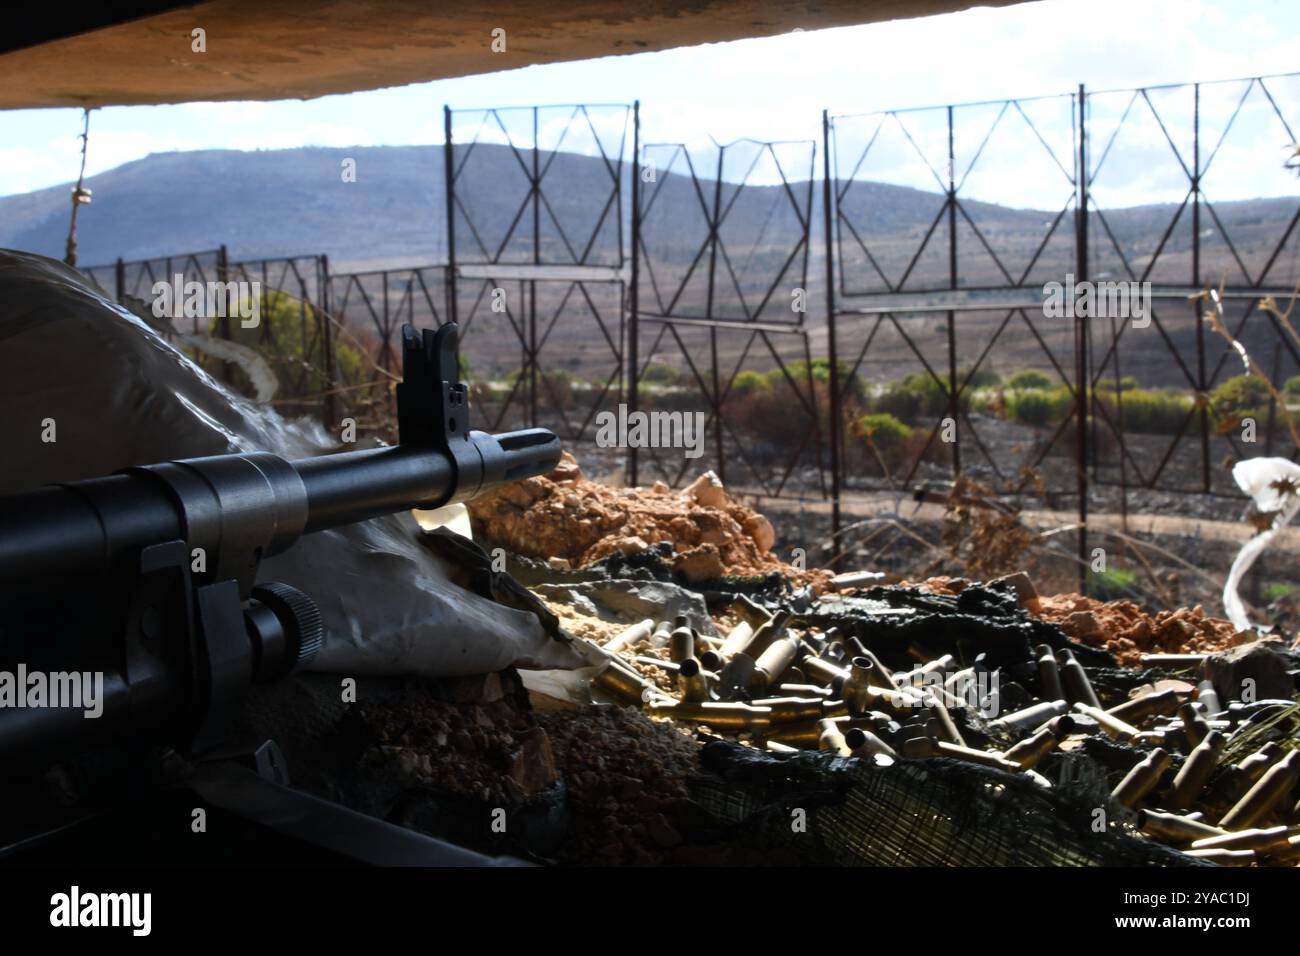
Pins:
x,y
120,395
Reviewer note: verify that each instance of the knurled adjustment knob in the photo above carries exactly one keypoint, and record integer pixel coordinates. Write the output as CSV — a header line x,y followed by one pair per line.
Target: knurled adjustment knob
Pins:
x,y
300,617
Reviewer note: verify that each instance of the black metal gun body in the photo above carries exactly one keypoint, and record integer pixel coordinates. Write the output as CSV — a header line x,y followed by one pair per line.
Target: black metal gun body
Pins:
x,y
149,576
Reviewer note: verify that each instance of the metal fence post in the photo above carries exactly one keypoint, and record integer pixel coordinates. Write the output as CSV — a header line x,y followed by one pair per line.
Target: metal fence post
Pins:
x,y
836,415
1081,340
634,292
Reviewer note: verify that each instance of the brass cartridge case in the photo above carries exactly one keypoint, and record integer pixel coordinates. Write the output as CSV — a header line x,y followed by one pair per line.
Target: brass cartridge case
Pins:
x,y
1142,779
1195,771
692,685
832,738
779,748
749,611
803,690
1049,675
662,634
1233,783
1160,704
863,743
1112,725
658,662
720,716
1034,748
628,637
1194,726
774,662
774,630
1031,717
1078,689
935,707
1266,840
621,683
681,644
834,708
736,675
820,669
1208,696
926,747
1268,791
790,710
737,641
1174,661
879,675
806,734
1173,828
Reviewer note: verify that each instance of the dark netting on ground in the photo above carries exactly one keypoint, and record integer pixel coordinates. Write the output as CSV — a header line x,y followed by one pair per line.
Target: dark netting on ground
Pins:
x,y
920,812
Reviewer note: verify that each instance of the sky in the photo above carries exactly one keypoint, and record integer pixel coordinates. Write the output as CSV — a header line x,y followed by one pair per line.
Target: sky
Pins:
x,y
777,87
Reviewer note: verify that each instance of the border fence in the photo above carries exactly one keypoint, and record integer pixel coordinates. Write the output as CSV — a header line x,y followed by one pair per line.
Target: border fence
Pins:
x,y
589,270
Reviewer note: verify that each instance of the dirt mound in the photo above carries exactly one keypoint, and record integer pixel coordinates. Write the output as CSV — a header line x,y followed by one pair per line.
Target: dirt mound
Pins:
x,y
565,515
1128,632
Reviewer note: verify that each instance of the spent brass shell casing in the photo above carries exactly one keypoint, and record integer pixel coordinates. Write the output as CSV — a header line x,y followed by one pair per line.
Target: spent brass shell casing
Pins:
x,y
805,734
803,690
681,644
941,748
774,662
863,743
750,611
1174,828
1030,717
879,675
663,665
692,685
1208,696
737,641
1276,784
1262,840
1142,779
1160,704
1034,748
736,675
788,710
1194,726
935,707
958,683
1078,689
1049,675
716,714
627,638
1174,661
621,683
1195,771
820,669
832,739
834,708
1112,725
663,632
769,633
779,748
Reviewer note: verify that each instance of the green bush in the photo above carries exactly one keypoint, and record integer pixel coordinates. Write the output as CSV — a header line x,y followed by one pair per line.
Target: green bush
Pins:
x,y
1292,386
1237,398
884,430
1147,412
1029,379
1038,407
1112,585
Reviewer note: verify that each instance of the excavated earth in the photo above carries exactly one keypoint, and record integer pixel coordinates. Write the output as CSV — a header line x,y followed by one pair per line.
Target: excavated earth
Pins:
x,y
564,515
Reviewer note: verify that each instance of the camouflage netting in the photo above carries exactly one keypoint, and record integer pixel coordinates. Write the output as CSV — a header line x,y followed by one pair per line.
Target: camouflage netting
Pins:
x,y
919,813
